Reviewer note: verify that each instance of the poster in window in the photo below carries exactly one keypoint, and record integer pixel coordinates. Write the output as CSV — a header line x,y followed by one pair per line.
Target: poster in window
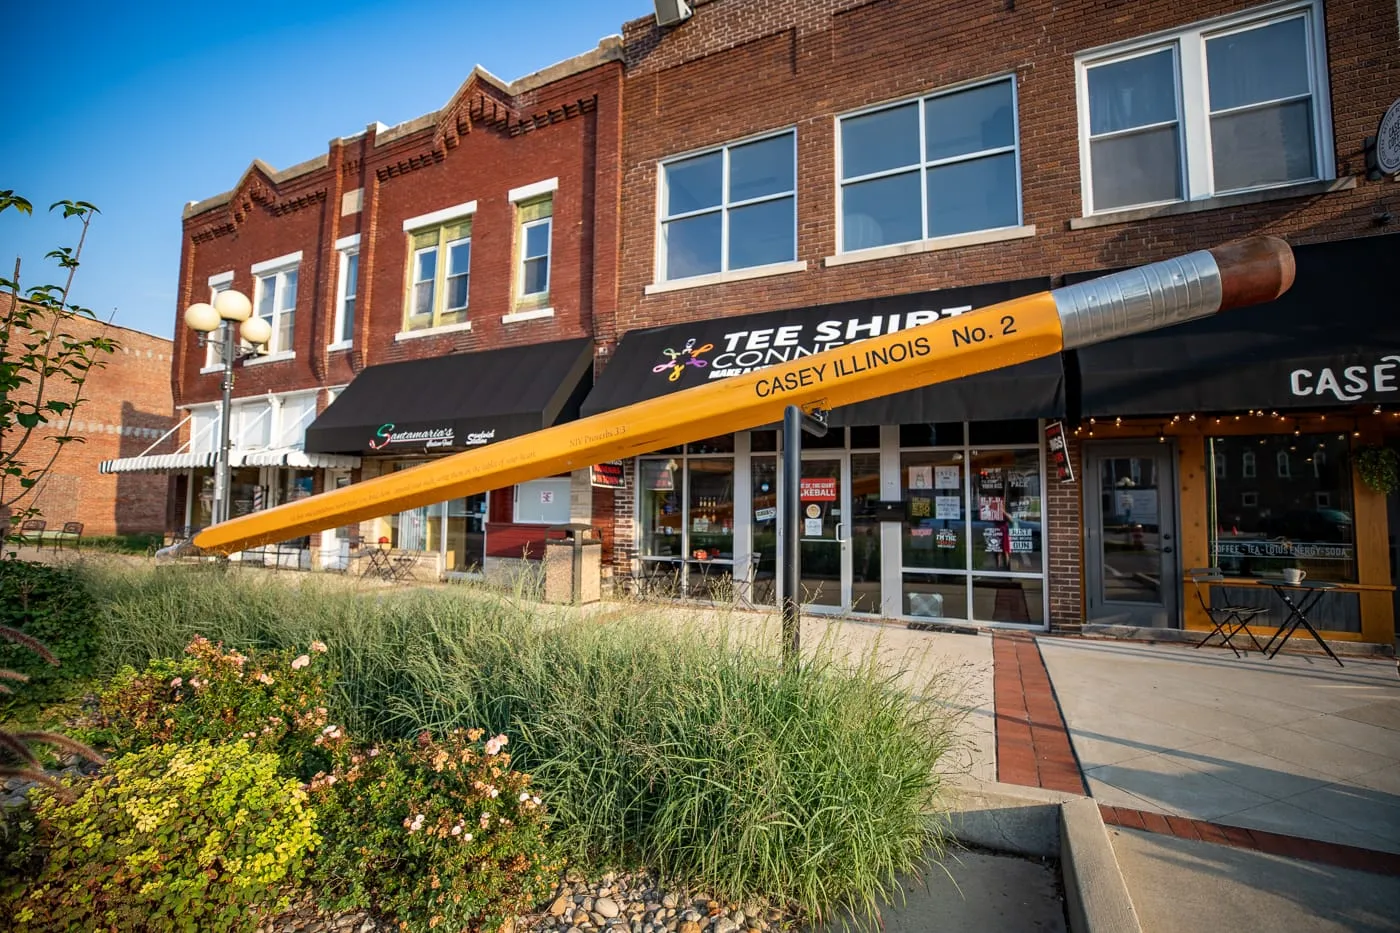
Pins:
x,y
1022,540
993,539
947,477
921,477
765,515
821,489
608,475
991,508
946,538
993,477
920,507
546,496
812,527
948,507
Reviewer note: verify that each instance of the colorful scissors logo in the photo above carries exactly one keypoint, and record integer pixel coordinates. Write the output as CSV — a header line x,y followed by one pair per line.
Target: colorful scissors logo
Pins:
x,y
689,355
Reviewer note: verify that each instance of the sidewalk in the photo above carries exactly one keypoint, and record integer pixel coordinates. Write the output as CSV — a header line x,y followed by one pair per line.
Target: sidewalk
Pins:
x,y
1294,745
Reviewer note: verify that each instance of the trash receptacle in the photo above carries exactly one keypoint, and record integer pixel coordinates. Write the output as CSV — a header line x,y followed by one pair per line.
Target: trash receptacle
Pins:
x,y
573,565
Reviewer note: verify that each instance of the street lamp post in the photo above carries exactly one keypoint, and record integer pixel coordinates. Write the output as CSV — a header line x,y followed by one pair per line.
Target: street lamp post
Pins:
x,y
229,308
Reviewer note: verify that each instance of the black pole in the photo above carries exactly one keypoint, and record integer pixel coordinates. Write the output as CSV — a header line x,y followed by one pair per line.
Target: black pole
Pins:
x,y
792,522
795,421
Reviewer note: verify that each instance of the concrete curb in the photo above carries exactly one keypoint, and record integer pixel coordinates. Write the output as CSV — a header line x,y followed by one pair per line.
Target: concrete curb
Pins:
x,y
1117,632
1096,895
1049,824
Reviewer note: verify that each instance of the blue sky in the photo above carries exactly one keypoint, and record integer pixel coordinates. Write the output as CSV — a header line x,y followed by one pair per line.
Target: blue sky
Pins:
x,y
142,107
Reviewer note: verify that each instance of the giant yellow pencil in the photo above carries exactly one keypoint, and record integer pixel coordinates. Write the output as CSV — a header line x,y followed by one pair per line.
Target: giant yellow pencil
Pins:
x,y
1157,295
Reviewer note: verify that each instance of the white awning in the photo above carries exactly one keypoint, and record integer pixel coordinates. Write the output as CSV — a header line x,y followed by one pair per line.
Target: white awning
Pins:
x,y
293,457
275,457
158,463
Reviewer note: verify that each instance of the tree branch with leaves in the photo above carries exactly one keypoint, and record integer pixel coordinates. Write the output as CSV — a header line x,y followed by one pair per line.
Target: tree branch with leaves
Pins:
x,y
44,368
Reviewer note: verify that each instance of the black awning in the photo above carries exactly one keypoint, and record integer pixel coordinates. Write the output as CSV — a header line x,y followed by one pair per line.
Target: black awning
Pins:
x,y
458,401
659,361
1331,340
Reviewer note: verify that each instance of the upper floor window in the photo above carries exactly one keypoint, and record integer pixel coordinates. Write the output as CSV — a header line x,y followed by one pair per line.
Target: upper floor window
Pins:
x,y
214,344
536,226
734,207
275,299
1225,106
439,267
943,165
347,289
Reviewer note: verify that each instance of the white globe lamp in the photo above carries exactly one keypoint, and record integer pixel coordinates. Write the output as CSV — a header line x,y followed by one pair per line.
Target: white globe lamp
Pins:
x,y
202,317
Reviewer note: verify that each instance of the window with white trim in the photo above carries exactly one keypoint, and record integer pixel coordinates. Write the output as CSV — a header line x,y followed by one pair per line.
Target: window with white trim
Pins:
x,y
1247,465
294,414
734,207
204,429
275,301
1226,106
347,291
213,342
543,501
536,219
252,425
943,165
1283,464
439,276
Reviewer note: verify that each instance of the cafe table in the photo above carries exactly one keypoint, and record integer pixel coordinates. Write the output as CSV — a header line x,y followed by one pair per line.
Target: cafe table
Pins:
x,y
1299,599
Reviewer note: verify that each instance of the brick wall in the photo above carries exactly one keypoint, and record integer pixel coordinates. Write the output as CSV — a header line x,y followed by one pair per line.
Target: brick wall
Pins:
x,y
126,407
743,67
488,139
1064,519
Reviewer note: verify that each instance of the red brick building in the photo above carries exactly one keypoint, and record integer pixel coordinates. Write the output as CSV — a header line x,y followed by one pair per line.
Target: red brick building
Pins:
x,y
826,169
125,409
403,273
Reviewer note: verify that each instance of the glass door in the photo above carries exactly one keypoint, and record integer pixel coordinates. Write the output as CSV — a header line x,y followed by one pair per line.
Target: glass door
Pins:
x,y
1131,562
466,534
864,538
825,532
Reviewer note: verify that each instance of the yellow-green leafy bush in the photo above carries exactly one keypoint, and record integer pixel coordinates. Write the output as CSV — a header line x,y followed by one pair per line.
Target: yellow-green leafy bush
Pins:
x,y
173,837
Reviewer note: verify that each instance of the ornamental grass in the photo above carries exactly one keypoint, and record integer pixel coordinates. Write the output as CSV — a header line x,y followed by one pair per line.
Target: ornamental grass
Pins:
x,y
688,747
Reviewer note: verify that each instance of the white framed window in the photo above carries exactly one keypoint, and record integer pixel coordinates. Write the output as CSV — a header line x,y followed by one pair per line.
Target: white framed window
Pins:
x,y
1220,467
734,207
213,345
536,220
347,290
543,501
1323,499
252,425
1319,463
294,414
204,429
1248,466
1283,465
1229,105
439,277
1249,500
941,165
275,299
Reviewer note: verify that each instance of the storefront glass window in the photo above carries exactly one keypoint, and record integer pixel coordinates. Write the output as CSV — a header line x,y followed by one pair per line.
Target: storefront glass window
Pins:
x,y
1281,501
659,491
1007,529
935,508
710,517
972,542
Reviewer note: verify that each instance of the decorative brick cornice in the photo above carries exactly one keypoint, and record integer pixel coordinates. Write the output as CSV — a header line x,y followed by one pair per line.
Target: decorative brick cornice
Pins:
x,y
410,163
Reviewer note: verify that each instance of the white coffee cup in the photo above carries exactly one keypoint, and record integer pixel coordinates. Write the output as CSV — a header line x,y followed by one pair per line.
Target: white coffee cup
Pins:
x,y
1294,575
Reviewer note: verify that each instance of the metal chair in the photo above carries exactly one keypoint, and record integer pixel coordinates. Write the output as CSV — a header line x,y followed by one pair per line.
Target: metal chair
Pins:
x,y
72,533
32,532
1223,617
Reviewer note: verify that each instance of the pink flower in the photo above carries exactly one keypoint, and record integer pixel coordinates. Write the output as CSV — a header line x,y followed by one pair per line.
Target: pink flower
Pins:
x,y
177,681
374,753
264,677
300,662
457,830
319,647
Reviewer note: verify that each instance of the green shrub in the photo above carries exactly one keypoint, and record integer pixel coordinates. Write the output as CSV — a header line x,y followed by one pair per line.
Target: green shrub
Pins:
x,y
193,837
21,856
433,833
123,544
273,700
653,743
52,605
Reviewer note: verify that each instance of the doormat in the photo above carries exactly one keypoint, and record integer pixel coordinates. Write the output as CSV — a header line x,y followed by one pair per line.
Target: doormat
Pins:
x,y
943,627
